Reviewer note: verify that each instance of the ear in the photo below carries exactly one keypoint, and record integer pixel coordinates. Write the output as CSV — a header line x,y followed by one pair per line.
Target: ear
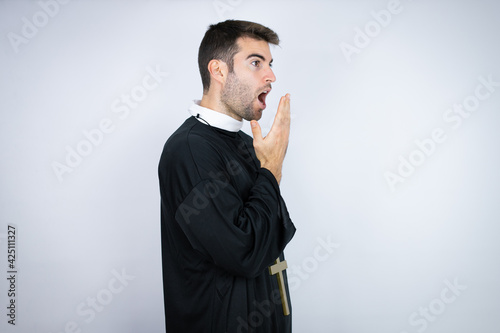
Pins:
x,y
218,70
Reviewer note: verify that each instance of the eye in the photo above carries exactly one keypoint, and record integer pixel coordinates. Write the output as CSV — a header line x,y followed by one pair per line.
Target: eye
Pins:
x,y
256,63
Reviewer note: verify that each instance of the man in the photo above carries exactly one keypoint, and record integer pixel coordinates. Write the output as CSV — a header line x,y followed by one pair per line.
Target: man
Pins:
x,y
223,220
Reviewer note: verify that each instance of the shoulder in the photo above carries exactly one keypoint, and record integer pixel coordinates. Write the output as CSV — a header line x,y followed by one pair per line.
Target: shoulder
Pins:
x,y
191,134
192,145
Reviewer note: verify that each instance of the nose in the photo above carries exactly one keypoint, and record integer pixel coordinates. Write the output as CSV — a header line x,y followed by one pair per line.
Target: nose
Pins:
x,y
269,78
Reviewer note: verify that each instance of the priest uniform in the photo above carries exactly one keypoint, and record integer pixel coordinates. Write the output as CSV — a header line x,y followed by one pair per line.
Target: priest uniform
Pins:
x,y
224,226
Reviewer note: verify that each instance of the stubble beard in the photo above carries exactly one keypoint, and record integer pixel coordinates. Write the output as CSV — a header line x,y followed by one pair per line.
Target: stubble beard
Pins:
x,y
238,99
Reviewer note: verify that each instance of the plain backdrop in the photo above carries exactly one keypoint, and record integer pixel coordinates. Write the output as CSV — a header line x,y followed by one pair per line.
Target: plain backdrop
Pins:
x,y
391,175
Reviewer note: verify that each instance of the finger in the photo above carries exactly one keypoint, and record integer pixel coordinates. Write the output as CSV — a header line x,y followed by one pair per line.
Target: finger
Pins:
x,y
286,108
256,131
281,110
282,117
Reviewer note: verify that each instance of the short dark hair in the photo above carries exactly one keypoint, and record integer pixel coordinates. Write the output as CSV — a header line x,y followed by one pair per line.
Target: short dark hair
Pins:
x,y
220,43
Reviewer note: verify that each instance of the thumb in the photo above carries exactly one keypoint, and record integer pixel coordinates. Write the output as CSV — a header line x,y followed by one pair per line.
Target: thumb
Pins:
x,y
256,131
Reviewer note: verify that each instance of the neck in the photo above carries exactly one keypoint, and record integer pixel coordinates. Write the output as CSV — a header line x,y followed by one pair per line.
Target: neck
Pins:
x,y
212,102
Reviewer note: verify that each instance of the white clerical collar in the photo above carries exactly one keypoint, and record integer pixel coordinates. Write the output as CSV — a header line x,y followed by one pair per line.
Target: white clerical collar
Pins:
x,y
214,118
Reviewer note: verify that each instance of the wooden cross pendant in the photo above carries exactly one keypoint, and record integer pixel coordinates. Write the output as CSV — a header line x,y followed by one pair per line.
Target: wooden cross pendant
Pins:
x,y
278,268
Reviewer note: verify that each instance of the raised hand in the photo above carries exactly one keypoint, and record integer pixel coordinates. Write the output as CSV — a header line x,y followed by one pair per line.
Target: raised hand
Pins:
x,y
271,150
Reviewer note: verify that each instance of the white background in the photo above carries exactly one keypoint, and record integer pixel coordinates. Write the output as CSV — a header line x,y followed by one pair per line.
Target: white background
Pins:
x,y
355,117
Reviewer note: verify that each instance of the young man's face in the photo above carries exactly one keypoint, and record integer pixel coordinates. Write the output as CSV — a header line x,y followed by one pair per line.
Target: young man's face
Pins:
x,y
244,92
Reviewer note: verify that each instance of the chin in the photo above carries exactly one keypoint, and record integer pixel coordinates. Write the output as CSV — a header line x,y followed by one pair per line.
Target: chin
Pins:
x,y
255,114
258,115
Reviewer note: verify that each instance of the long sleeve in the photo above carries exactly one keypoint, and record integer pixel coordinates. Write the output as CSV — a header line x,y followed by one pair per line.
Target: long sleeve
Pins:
x,y
242,233
223,222
243,237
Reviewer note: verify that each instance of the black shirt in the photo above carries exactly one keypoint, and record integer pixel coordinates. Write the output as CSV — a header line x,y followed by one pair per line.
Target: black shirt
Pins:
x,y
223,222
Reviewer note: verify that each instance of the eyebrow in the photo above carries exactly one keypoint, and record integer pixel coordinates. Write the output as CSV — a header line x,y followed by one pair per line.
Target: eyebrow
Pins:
x,y
259,56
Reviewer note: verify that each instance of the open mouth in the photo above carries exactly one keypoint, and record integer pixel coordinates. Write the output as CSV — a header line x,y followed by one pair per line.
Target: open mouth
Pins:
x,y
262,98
